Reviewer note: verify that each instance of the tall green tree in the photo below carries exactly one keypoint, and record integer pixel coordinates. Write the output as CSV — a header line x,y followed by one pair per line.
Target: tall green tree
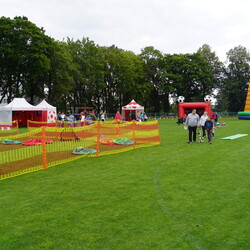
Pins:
x,y
215,66
218,70
237,75
153,64
124,78
88,75
24,58
135,85
105,77
189,75
59,82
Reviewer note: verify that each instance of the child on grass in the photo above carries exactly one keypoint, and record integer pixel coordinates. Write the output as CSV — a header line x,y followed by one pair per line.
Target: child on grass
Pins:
x,y
202,123
209,128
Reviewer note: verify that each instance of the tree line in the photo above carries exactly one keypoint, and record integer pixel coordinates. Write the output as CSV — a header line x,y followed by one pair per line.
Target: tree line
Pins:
x,y
69,74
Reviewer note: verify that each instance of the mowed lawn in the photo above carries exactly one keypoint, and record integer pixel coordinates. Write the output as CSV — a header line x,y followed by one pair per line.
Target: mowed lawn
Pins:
x,y
172,196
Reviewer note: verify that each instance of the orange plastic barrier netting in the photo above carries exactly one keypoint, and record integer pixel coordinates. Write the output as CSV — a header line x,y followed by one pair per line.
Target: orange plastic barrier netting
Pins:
x,y
31,125
49,146
8,128
16,159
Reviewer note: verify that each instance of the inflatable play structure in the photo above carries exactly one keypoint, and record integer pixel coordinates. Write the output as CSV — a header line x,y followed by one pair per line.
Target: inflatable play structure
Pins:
x,y
132,111
245,115
184,108
22,111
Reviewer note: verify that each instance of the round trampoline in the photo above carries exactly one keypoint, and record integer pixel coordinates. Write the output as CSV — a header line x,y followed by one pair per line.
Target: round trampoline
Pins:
x,y
10,142
83,151
123,141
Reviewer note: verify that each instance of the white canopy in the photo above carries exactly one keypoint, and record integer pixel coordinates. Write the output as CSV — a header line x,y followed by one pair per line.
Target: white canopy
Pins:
x,y
45,106
51,110
133,105
18,104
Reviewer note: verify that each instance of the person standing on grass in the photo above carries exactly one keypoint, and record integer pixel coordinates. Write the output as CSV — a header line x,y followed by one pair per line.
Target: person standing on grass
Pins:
x,y
209,128
82,117
192,121
118,116
202,123
103,116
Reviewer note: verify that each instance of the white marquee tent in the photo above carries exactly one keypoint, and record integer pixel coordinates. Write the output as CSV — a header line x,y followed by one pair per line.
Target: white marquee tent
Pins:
x,y
18,107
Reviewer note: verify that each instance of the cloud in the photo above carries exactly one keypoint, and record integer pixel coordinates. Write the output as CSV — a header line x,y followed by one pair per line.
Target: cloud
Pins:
x,y
180,26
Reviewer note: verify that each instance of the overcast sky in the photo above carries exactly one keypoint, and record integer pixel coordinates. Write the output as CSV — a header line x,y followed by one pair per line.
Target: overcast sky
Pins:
x,y
171,26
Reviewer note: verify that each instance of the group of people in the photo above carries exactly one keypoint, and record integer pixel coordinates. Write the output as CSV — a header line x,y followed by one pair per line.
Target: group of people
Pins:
x,y
82,118
142,117
76,117
118,116
193,121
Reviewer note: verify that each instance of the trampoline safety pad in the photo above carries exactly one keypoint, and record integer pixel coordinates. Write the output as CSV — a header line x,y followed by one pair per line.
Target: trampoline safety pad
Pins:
x,y
232,137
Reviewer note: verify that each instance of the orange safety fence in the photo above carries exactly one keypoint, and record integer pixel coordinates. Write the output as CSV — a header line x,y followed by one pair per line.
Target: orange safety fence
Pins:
x,y
31,125
8,128
45,147
36,124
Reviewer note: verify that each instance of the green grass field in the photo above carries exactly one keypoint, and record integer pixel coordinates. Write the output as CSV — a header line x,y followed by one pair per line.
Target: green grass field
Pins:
x,y
172,196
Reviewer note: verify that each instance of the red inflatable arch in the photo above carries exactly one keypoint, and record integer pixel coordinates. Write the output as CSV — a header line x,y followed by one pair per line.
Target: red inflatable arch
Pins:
x,y
184,108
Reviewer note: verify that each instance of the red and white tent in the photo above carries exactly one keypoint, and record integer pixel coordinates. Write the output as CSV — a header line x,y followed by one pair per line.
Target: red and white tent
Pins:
x,y
22,111
48,111
132,111
19,109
